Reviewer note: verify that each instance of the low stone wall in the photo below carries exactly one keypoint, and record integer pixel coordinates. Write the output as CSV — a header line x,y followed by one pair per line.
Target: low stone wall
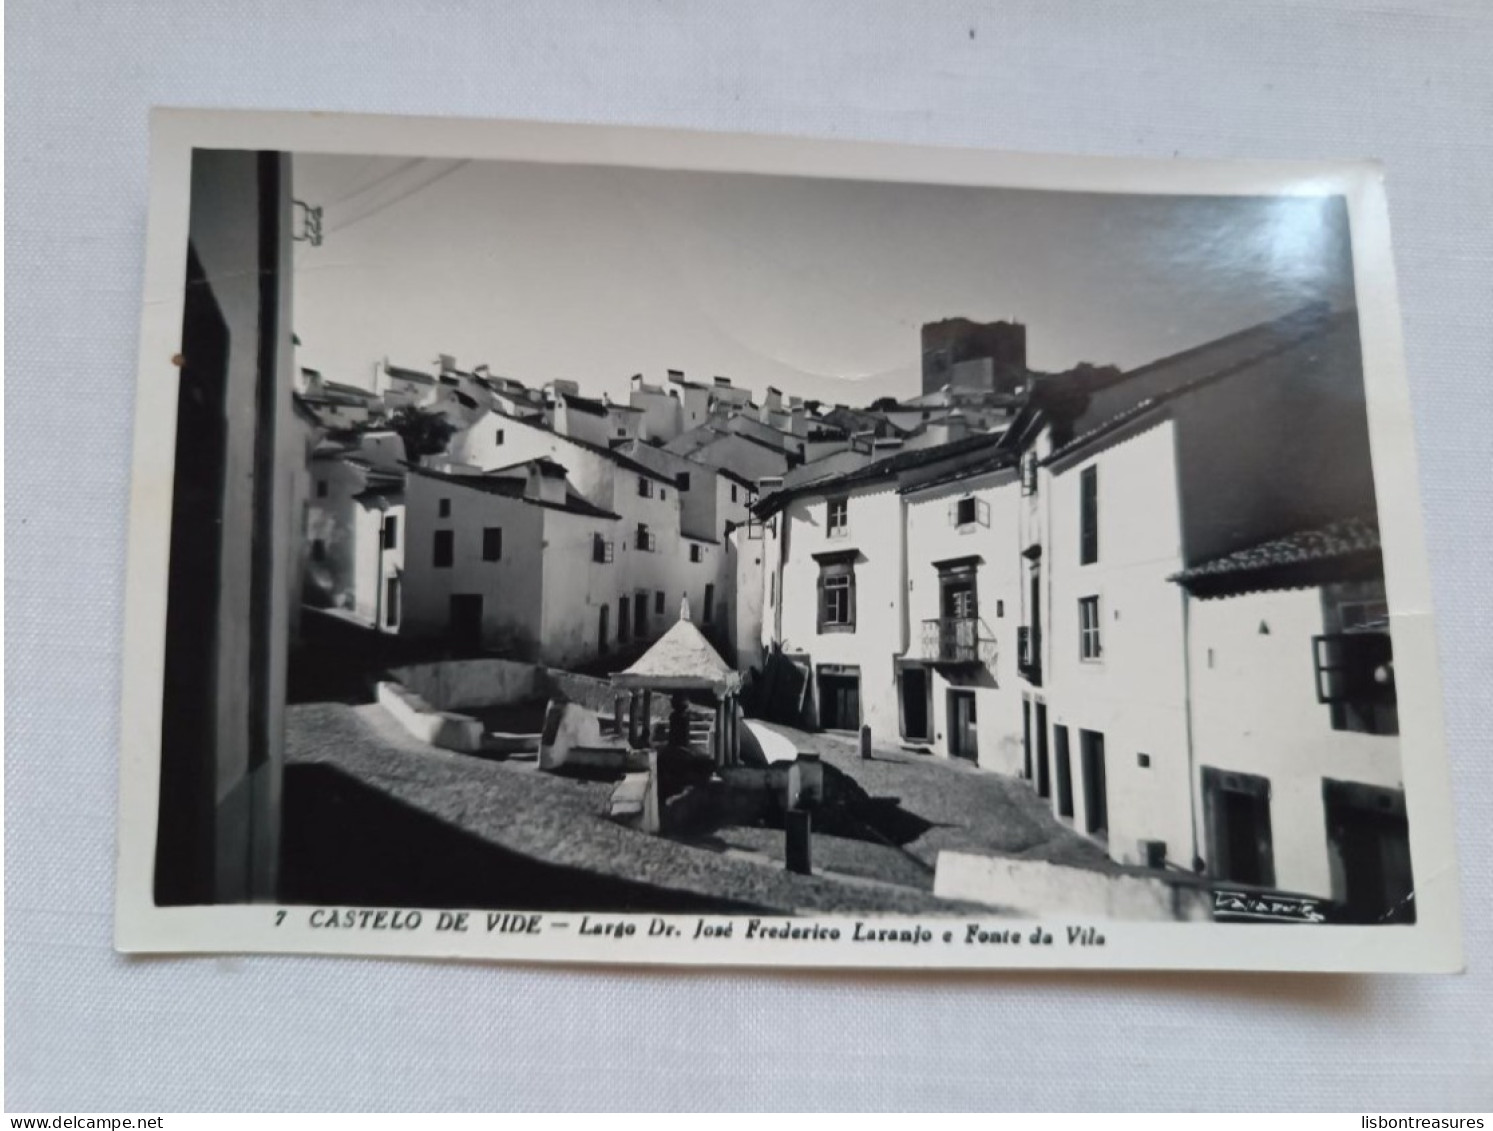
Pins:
x,y
1036,888
589,691
454,684
438,728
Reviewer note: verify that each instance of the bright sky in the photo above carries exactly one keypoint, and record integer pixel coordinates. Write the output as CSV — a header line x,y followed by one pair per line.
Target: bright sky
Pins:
x,y
594,274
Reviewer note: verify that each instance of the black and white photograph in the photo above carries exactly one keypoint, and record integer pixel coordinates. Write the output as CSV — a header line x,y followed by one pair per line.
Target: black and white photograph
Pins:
x,y
647,547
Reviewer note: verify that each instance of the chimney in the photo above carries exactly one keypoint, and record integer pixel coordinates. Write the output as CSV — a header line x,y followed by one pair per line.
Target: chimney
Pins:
x,y
956,426
676,376
447,362
546,482
773,399
637,380
723,382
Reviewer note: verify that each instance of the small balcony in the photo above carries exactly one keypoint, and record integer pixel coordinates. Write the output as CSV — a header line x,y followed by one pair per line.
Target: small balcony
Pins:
x,y
1029,654
952,640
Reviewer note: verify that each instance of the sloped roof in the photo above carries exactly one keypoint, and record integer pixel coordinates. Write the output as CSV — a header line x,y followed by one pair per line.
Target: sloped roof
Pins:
x,y
584,404
1307,557
888,468
1140,391
399,373
681,660
510,487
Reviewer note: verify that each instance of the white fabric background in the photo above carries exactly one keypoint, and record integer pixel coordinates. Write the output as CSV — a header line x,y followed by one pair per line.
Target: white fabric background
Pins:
x,y
87,1030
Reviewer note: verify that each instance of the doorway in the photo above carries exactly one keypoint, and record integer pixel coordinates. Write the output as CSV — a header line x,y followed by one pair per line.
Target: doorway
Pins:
x,y
963,736
1064,770
1368,845
840,700
915,693
465,627
1095,788
604,616
1044,774
1236,814
1026,739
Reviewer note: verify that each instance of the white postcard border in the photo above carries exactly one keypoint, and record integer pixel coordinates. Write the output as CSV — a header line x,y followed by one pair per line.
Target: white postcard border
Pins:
x,y
1431,944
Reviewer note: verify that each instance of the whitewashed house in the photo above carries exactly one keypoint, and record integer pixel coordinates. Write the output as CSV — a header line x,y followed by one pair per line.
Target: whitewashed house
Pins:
x,y
1298,781
646,543
661,418
1128,483
355,535
401,387
957,688
836,562
510,563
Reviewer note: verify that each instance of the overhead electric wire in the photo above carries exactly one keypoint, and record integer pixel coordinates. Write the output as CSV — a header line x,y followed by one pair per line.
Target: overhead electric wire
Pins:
x,y
402,167
423,185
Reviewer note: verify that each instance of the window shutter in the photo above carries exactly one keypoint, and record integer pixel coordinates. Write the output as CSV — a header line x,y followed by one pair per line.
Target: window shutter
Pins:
x,y
850,616
982,512
820,602
953,512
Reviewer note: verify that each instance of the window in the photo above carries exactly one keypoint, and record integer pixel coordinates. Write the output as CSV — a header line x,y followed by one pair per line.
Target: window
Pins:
x,y
1089,645
645,487
601,549
1355,678
658,603
663,493
644,539
445,548
733,492
624,607
681,481
1029,473
837,521
772,589
492,544
837,597
1088,550
709,603
500,435
694,552
318,550
968,513
443,509
391,532
321,488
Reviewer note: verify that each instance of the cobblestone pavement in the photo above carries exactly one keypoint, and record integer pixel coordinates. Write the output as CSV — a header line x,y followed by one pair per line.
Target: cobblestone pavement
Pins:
x,y
551,826
968,809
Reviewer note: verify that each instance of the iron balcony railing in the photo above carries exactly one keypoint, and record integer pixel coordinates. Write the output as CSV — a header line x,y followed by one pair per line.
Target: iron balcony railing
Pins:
x,y
1029,654
952,640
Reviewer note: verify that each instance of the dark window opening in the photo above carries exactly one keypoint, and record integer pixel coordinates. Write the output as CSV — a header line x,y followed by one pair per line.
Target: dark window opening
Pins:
x,y
492,544
1089,516
445,549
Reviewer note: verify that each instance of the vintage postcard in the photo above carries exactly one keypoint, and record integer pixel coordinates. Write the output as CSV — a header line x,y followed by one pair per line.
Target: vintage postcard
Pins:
x,y
559,543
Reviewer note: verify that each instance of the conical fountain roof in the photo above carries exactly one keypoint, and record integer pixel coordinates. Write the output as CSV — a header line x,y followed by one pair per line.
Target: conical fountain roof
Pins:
x,y
680,660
